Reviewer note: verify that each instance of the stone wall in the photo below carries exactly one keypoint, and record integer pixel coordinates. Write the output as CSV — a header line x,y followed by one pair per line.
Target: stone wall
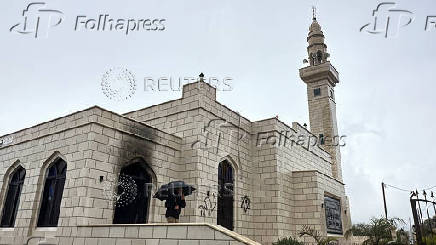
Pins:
x,y
183,139
264,158
202,122
94,143
310,188
147,234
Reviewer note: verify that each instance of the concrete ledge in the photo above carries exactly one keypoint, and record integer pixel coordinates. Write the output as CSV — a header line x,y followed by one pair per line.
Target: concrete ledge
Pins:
x,y
190,233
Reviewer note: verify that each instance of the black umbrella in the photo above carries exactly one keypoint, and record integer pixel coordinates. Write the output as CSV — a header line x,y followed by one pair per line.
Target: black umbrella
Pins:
x,y
170,189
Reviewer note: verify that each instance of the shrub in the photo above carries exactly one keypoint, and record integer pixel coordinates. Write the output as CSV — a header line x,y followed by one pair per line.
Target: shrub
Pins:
x,y
430,240
379,231
288,241
316,235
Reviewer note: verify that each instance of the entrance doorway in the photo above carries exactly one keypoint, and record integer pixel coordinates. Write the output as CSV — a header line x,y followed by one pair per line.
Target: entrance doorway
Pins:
x,y
134,195
225,195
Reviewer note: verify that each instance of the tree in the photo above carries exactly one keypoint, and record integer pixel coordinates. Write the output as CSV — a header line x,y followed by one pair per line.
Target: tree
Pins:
x,y
359,230
316,235
378,231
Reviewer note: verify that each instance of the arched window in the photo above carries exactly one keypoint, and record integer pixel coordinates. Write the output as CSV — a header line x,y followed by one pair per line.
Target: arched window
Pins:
x,y
319,56
312,59
12,201
133,192
52,196
225,195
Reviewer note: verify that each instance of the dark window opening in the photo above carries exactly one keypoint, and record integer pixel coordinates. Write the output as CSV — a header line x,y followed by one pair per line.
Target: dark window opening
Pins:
x,y
134,194
52,195
317,92
225,195
319,57
321,139
12,201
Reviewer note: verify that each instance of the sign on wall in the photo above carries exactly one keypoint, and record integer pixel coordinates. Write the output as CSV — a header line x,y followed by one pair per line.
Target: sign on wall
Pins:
x,y
333,215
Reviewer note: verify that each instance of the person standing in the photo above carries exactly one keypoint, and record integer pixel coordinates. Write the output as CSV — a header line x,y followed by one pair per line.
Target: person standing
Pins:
x,y
174,205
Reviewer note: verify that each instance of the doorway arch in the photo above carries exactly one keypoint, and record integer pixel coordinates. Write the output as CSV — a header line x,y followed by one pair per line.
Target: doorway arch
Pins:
x,y
134,191
226,187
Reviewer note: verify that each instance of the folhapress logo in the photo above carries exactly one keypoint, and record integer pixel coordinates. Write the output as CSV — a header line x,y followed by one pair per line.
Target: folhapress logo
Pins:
x,y
388,20
37,20
105,23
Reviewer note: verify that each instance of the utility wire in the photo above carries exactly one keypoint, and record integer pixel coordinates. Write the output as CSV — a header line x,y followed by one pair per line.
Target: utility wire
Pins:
x,y
401,189
430,188
398,188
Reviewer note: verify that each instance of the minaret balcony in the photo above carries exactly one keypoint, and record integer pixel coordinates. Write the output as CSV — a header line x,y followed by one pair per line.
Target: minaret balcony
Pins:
x,y
315,73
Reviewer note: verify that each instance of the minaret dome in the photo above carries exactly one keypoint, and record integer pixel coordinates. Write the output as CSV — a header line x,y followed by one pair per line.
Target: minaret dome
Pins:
x,y
317,49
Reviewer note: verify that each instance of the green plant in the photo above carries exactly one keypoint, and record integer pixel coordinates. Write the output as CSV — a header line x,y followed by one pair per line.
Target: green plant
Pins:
x,y
358,230
378,231
427,227
316,235
429,240
288,241
402,237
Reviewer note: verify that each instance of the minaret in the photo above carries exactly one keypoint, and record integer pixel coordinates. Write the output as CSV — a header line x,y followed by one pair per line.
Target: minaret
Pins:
x,y
321,78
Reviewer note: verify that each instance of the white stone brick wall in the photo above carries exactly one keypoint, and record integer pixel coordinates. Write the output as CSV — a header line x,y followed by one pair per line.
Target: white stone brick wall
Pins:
x,y
177,139
264,172
94,143
310,188
150,234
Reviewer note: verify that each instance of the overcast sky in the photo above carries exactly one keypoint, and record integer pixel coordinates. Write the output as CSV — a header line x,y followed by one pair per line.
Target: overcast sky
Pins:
x,y
385,99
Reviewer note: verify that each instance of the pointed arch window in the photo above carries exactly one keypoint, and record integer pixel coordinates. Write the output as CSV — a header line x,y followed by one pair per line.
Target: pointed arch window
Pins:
x,y
225,201
132,206
10,207
52,195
